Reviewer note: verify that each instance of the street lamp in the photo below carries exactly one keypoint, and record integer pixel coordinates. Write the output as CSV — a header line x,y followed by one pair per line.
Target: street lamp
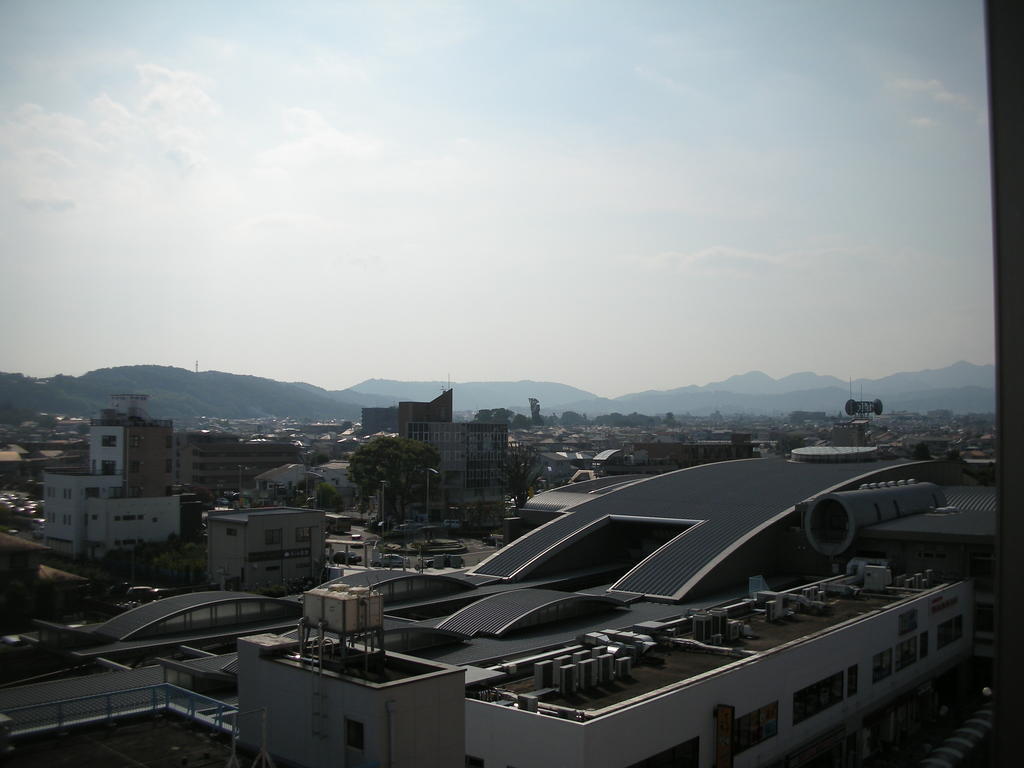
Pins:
x,y
426,504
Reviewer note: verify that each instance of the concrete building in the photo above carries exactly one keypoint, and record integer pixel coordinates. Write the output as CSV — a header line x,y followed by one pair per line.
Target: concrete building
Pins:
x,y
353,707
472,454
376,420
123,495
221,462
262,547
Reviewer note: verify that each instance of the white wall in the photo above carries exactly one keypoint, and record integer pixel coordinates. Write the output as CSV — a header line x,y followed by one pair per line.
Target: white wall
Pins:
x,y
155,519
427,715
98,453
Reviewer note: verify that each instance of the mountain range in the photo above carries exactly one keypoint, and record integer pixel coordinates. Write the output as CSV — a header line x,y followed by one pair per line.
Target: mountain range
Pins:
x,y
178,393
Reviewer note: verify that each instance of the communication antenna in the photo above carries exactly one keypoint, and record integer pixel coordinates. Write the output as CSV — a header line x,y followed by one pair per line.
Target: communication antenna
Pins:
x,y
197,366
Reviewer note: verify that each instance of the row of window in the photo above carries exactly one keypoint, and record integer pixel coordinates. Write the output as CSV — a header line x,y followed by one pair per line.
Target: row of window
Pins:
x,y
907,652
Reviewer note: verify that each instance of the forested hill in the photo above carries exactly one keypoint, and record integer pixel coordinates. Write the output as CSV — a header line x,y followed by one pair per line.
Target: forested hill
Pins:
x,y
175,393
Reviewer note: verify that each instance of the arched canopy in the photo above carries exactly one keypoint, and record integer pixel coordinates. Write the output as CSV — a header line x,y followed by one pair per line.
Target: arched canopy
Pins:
x,y
195,611
502,613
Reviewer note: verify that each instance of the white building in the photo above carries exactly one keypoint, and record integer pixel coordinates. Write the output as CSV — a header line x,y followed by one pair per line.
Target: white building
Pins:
x,y
248,548
123,496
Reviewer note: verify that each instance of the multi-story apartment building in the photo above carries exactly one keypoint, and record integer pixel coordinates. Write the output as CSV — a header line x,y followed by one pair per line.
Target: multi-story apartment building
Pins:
x,y
224,462
122,496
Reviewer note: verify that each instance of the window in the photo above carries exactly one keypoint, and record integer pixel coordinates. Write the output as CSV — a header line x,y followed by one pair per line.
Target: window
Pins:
x,y
302,533
272,536
167,441
109,467
135,441
474,762
168,466
906,653
851,680
108,441
817,697
231,531
134,466
922,650
984,618
755,727
950,631
353,734
881,665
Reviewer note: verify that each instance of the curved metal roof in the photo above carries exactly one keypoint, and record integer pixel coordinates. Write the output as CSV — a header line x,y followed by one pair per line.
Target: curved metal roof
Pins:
x,y
501,613
124,625
568,496
732,500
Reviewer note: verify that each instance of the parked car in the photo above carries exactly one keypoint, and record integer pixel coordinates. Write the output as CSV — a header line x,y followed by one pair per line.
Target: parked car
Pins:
x,y
340,557
388,560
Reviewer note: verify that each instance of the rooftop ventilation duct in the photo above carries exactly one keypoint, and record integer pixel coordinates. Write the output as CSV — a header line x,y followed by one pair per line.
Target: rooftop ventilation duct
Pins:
x,y
831,521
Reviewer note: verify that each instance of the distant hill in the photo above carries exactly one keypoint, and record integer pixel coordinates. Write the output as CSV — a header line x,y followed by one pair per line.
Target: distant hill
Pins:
x,y
961,387
177,393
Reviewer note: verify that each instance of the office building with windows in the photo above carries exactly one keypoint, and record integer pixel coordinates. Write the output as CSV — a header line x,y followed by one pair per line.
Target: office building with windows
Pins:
x,y
472,465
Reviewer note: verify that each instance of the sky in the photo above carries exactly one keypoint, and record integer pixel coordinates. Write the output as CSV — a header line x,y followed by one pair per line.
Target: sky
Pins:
x,y
619,196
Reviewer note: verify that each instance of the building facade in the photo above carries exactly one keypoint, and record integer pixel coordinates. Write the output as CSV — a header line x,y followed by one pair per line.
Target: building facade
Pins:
x,y
263,547
123,496
472,465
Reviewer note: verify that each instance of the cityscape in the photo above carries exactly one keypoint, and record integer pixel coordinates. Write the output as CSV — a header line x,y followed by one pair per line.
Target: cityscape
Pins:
x,y
421,579
532,384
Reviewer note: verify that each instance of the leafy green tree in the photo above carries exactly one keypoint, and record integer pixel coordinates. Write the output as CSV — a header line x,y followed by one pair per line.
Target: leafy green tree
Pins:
x,y
670,420
572,419
327,496
921,452
397,461
521,470
494,416
519,421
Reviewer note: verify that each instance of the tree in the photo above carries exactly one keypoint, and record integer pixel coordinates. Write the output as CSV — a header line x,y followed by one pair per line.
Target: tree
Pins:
x,y
535,418
670,420
921,452
521,471
572,419
494,416
520,422
399,463
327,496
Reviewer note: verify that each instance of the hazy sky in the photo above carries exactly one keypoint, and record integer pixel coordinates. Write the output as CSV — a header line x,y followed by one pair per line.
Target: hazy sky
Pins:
x,y
615,195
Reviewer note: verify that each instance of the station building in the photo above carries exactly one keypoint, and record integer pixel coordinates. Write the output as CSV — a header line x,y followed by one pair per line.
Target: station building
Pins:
x,y
746,613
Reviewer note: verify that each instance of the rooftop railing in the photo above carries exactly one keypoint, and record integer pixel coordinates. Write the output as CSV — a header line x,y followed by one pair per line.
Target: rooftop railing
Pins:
x,y
36,719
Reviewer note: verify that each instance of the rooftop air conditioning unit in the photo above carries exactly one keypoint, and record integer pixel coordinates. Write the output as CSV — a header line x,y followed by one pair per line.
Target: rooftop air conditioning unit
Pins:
x,y
735,630
774,610
876,577
702,627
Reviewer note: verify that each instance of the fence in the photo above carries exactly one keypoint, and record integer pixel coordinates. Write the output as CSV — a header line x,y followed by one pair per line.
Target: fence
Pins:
x,y
38,719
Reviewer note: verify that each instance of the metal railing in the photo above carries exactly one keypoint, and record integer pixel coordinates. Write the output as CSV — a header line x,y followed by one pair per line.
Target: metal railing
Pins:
x,y
36,719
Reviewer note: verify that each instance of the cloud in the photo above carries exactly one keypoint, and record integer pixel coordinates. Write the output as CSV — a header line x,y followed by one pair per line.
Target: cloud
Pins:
x,y
923,122
315,141
53,205
717,260
933,89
